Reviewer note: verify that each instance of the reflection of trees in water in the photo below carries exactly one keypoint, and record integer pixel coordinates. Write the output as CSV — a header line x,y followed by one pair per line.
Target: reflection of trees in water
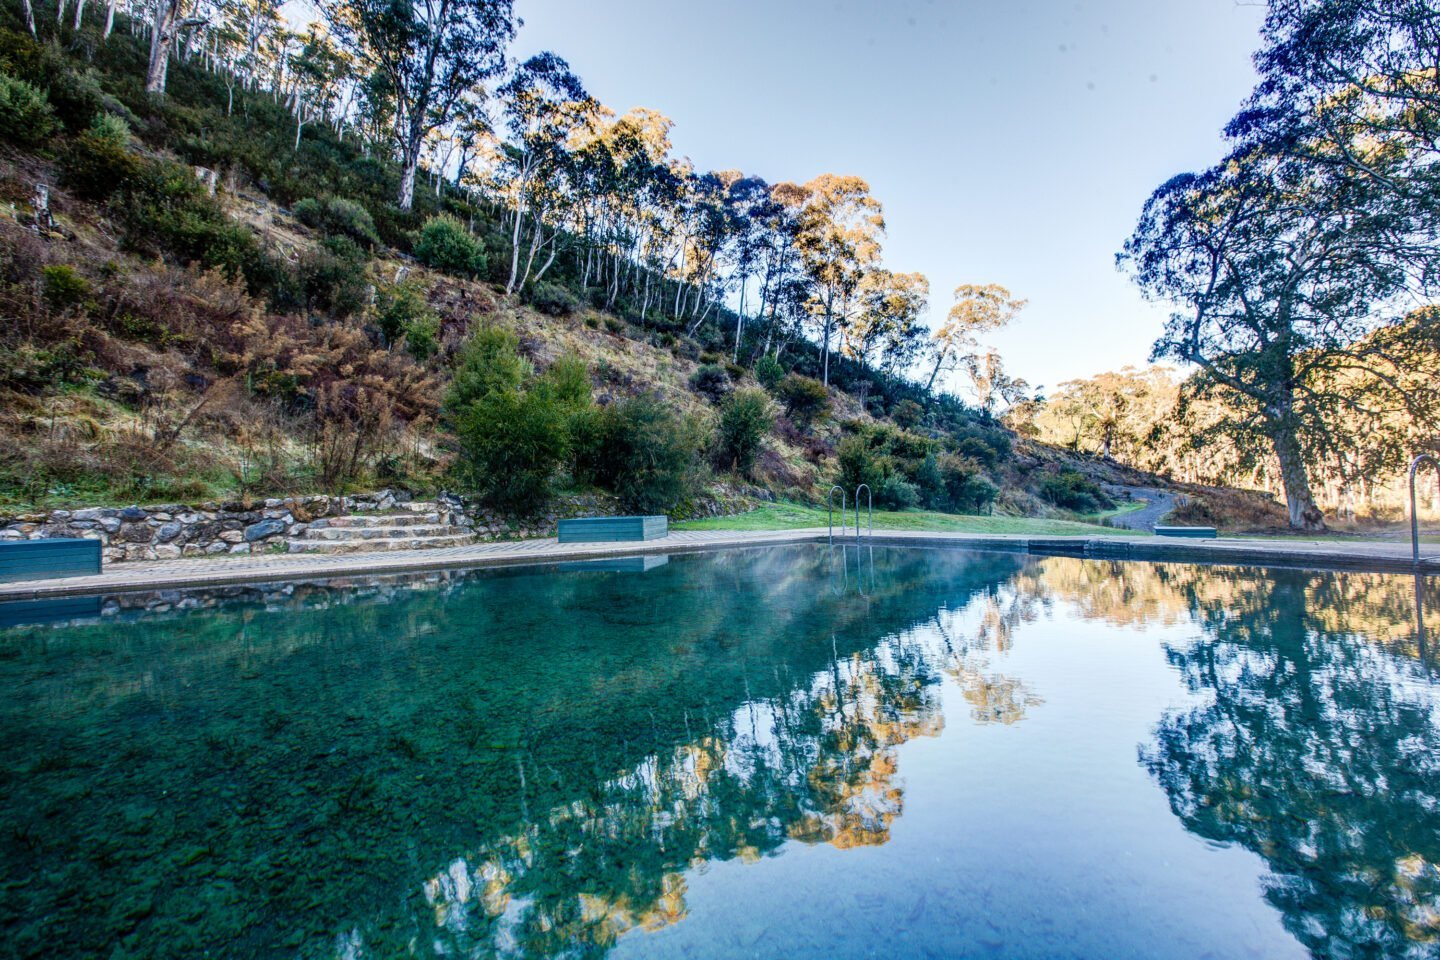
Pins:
x,y
814,764
252,779
1316,747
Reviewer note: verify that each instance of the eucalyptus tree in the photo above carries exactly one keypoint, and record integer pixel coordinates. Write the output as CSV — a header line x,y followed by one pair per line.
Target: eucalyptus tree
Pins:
x,y
1280,271
838,239
977,309
545,105
1354,85
431,53
888,319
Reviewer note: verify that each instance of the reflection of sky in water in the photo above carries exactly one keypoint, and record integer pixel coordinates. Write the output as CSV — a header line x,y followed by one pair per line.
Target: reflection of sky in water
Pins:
x,y
735,755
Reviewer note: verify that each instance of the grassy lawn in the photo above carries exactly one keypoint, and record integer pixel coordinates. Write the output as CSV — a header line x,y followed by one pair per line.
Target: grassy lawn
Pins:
x,y
791,516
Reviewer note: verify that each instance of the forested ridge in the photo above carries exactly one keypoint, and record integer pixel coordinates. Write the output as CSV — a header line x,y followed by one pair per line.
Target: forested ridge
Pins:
x,y
248,260
249,256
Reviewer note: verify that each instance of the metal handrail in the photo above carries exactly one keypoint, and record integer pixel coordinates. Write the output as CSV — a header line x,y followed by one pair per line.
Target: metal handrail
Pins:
x,y
830,506
869,505
1415,517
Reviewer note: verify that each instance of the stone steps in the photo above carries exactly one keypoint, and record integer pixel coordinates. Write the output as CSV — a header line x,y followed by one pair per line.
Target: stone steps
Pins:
x,y
427,518
418,527
380,545
380,533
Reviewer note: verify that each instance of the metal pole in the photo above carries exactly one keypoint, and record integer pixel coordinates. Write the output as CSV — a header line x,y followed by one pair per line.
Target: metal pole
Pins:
x,y
870,503
1415,517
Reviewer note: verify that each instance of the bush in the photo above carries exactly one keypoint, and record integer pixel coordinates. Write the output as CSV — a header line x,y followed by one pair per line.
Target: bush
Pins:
x,y
1072,490
643,451
446,245
403,311
744,420
25,113
908,414
339,217
896,493
711,381
64,287
332,278
553,299
513,443
950,484
806,400
489,361
769,372
168,211
99,164
566,384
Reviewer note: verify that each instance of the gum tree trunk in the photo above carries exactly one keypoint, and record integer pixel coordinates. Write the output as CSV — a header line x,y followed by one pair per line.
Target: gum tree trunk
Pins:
x,y
1304,514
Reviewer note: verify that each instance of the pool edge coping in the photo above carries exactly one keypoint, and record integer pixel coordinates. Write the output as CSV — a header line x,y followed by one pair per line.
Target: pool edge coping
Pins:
x,y
1373,557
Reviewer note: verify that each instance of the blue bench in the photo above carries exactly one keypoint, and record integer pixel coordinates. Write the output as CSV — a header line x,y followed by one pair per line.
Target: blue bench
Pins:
x,y
44,559
610,529
1190,533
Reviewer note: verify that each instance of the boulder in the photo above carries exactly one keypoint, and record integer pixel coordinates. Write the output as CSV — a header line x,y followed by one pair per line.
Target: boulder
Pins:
x,y
263,529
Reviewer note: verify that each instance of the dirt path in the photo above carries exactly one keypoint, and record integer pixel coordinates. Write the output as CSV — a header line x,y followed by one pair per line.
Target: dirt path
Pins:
x,y
1158,504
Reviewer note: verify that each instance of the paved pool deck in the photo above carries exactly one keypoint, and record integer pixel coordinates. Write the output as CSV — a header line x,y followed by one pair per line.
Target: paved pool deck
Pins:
x,y
173,574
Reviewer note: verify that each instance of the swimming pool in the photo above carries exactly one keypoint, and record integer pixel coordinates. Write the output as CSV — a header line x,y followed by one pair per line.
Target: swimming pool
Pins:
x,y
794,751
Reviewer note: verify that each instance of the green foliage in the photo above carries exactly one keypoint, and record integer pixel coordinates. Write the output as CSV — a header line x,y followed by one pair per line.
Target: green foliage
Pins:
x,y
566,384
64,287
166,210
445,244
98,164
745,418
402,311
553,299
806,400
643,451
489,361
908,414
950,483
769,372
513,443
711,381
1072,490
340,217
332,278
25,113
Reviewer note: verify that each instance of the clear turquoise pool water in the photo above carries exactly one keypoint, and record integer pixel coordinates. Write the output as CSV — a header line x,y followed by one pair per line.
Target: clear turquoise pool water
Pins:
x,y
790,752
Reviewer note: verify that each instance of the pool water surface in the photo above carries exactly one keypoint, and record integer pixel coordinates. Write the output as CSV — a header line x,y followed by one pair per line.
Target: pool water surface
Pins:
x,y
784,752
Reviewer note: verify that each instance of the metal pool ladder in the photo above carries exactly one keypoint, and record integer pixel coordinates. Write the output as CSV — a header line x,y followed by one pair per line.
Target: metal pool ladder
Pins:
x,y
1415,466
830,505
870,511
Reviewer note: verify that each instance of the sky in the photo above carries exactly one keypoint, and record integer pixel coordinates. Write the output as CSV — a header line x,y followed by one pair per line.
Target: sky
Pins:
x,y
1010,141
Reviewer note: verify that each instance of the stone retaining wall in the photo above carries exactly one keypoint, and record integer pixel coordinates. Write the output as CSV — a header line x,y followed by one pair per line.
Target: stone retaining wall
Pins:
x,y
170,531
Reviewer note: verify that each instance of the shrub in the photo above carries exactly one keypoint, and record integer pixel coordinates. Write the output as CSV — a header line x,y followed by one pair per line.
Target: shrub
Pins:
x,y
744,420
64,287
896,493
806,400
98,163
340,217
908,414
553,299
1072,490
422,336
769,372
167,210
25,113
614,325
949,483
644,452
489,361
401,308
566,384
737,372
711,381
513,443
446,245
332,278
